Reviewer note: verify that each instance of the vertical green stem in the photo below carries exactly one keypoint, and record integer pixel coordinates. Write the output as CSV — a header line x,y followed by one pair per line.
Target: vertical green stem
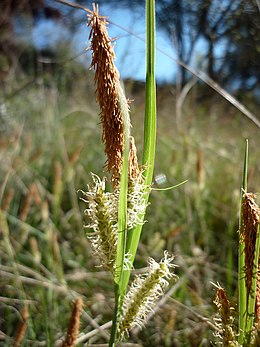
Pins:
x,y
122,224
241,259
149,129
130,245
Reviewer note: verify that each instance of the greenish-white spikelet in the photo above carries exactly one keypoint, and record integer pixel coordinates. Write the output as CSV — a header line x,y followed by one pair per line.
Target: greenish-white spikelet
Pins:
x,y
102,212
136,204
145,290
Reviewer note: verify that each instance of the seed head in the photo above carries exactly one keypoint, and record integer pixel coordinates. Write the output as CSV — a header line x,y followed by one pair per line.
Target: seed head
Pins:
x,y
74,324
225,321
111,98
250,220
102,213
144,292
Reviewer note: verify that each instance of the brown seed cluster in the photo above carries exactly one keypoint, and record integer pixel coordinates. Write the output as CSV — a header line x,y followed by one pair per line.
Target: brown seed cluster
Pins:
x,y
110,97
250,220
22,328
226,318
74,324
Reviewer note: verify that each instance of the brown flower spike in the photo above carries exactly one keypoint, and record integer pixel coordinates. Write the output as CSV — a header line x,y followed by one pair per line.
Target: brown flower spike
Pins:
x,y
22,328
110,97
74,324
250,220
225,321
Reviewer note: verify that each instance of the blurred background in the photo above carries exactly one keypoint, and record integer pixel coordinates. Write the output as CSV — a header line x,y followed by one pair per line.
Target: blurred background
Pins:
x,y
50,142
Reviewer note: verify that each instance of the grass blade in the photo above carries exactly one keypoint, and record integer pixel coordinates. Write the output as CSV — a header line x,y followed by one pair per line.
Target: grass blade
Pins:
x,y
122,226
149,129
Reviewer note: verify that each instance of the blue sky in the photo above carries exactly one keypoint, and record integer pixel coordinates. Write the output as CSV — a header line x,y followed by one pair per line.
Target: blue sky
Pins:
x,y
130,50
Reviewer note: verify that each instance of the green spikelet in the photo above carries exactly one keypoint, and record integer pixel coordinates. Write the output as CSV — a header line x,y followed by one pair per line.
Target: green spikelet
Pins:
x,y
144,292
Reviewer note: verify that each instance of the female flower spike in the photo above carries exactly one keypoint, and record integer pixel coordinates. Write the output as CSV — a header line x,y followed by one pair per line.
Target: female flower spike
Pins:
x,y
102,213
144,292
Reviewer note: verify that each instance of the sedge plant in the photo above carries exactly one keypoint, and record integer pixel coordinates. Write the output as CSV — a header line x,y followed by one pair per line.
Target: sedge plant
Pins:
x,y
117,217
247,333
248,261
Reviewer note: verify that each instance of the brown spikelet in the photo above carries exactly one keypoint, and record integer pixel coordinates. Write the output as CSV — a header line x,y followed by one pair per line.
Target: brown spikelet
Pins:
x,y
75,155
26,207
225,320
57,177
35,249
110,96
35,155
35,194
200,168
171,320
45,211
56,252
8,200
22,328
250,220
74,324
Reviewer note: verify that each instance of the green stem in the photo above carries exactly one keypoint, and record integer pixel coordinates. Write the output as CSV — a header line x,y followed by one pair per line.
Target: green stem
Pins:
x,y
149,130
241,259
116,319
122,223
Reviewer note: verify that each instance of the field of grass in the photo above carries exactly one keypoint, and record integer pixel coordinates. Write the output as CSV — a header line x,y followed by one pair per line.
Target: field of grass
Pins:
x,y
50,143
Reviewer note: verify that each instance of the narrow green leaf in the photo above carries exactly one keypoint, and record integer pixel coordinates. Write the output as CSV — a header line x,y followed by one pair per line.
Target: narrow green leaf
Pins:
x,y
172,187
122,223
122,206
149,130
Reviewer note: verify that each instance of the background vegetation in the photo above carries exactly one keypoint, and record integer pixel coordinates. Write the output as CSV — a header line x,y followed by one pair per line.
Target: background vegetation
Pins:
x,y
51,141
